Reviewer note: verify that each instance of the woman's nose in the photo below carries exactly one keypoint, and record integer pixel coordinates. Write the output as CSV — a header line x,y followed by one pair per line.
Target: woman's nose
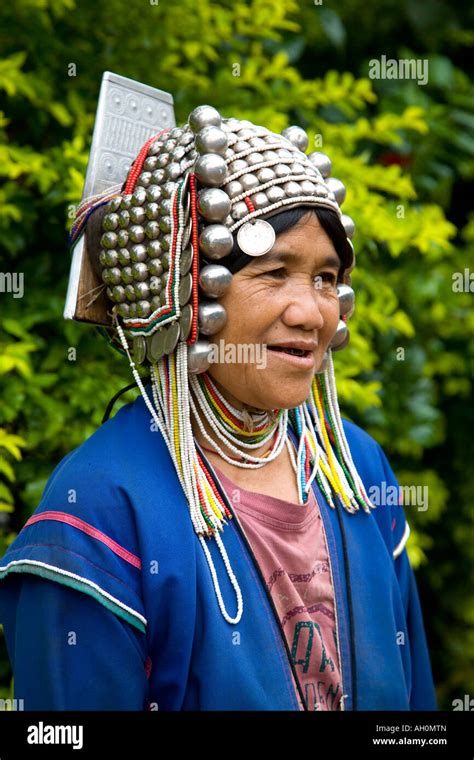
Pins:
x,y
304,308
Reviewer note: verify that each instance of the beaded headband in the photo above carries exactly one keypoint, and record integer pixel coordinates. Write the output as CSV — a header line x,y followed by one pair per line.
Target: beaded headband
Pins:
x,y
190,191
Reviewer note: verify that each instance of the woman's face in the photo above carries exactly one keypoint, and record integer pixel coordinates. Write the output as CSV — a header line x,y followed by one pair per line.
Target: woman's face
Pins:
x,y
287,296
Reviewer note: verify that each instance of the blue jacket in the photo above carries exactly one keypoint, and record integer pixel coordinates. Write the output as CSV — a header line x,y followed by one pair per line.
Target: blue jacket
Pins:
x,y
127,618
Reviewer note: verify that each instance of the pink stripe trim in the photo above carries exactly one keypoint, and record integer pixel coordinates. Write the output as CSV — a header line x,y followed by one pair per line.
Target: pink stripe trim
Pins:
x,y
90,530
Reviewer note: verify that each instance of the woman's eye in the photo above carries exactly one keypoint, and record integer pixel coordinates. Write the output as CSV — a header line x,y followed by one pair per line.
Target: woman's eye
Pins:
x,y
326,279
276,272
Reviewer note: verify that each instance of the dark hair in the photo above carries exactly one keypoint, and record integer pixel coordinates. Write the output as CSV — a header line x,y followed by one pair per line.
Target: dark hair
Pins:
x,y
284,221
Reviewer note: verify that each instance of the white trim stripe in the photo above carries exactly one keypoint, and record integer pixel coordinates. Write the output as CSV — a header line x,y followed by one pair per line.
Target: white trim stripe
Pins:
x,y
80,579
400,547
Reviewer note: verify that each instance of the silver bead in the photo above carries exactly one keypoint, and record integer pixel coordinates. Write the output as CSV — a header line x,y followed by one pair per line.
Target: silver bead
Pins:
x,y
297,136
165,223
211,169
282,170
141,290
275,193
152,230
154,249
173,171
292,189
170,145
216,241
257,143
123,310
152,211
341,337
239,211
140,272
132,310
211,139
204,116
214,280
154,193
297,168
143,309
270,155
178,153
108,240
122,238
126,202
150,164
265,175
156,284
155,267
213,204
260,200
124,219
322,162
118,293
237,165
165,207
136,233
348,225
249,181
234,188
155,303
139,196
240,146
254,158
114,276
212,317
138,253
158,176
114,204
346,300
307,187
144,179
130,293
109,258
168,189
198,357
137,214
127,275
163,160
335,186
110,222
123,256
186,138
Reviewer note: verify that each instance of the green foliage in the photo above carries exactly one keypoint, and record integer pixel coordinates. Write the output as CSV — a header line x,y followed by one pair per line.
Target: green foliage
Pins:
x,y
406,153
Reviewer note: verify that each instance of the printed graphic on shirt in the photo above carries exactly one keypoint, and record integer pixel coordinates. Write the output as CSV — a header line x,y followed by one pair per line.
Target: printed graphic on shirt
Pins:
x,y
306,609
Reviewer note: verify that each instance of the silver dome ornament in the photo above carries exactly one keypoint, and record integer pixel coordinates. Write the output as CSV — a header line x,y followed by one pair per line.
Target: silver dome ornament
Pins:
x,y
297,136
108,240
348,225
198,357
204,116
141,290
211,170
212,317
156,285
211,139
338,188
140,272
322,162
138,252
138,196
216,241
143,309
110,222
155,267
256,238
137,214
130,293
346,298
139,349
215,280
213,204
341,337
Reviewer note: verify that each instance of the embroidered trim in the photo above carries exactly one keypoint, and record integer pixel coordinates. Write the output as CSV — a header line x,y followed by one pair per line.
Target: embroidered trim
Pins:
x,y
76,522
400,547
80,584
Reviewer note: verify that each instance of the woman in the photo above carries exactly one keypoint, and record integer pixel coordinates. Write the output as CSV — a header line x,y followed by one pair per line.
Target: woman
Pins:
x,y
213,545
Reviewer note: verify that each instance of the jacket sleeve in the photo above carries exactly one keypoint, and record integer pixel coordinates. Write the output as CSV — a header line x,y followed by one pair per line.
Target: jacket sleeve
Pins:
x,y
68,652
71,599
422,694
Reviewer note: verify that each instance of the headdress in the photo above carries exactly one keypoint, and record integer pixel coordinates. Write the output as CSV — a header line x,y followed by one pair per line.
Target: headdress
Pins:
x,y
164,239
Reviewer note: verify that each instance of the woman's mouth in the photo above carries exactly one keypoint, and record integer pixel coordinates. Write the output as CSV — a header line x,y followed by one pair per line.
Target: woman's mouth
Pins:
x,y
296,356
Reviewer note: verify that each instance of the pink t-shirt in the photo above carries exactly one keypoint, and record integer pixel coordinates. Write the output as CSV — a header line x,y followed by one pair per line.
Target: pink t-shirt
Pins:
x,y
289,543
